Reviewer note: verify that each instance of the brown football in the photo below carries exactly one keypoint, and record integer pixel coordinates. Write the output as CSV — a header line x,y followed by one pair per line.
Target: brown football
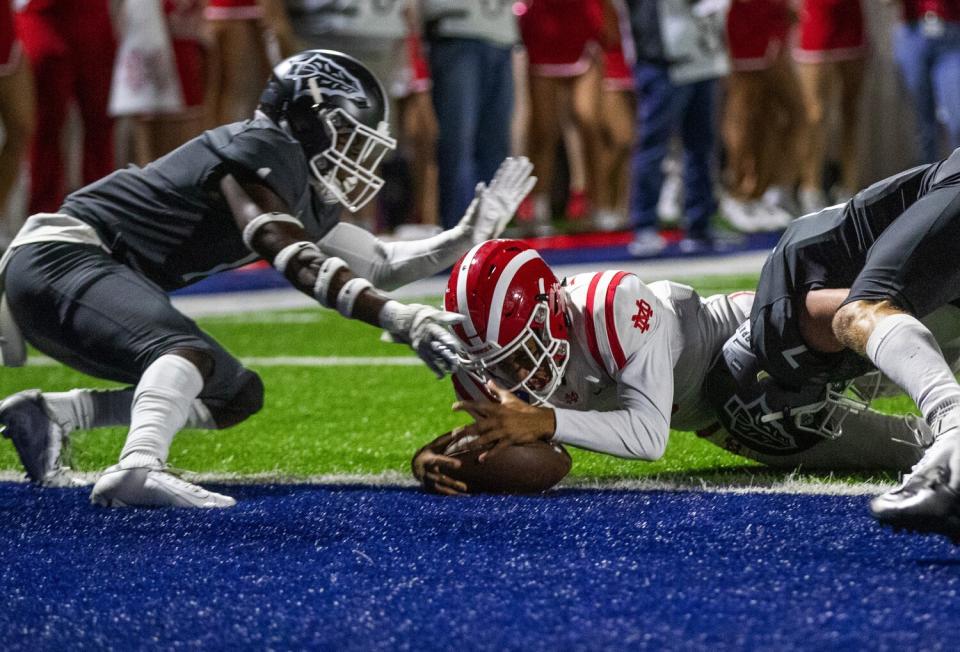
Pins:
x,y
528,469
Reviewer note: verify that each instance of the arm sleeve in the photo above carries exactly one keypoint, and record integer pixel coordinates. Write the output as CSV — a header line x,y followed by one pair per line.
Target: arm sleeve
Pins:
x,y
389,265
633,341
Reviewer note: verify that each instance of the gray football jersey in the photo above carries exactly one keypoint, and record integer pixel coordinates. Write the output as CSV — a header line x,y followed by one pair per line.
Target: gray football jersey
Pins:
x,y
169,220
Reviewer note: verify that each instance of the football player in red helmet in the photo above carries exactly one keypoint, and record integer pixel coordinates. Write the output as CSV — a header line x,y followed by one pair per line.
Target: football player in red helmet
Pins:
x,y
605,362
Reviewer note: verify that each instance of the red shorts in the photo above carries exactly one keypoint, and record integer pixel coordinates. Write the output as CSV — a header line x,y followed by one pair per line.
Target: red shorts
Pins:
x,y
561,35
757,31
189,57
233,10
10,49
419,69
617,75
830,30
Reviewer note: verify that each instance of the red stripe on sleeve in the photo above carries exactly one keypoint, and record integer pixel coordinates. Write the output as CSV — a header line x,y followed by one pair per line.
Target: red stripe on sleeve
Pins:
x,y
615,347
588,319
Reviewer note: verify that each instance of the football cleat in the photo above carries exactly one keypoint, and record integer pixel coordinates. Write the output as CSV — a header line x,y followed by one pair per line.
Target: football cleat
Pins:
x,y
926,501
38,439
155,485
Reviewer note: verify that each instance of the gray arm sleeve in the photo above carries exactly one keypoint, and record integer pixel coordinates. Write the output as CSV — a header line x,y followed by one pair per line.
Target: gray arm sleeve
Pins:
x,y
388,265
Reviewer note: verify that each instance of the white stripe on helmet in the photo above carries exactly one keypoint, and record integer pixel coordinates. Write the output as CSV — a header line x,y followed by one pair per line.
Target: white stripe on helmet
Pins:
x,y
500,293
467,323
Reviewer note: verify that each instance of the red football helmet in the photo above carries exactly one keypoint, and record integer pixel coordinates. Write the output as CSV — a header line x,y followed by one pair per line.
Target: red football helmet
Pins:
x,y
515,330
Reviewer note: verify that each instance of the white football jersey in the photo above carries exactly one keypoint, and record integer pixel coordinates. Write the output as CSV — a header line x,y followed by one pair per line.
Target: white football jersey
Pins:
x,y
638,357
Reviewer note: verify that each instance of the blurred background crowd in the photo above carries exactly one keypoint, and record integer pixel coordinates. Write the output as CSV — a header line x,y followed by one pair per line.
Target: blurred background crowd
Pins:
x,y
640,115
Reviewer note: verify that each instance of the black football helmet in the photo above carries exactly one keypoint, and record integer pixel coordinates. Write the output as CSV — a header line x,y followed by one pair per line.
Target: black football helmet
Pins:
x,y
768,417
337,109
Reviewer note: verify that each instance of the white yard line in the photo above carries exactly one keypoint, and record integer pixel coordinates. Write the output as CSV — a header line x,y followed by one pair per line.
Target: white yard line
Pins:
x,y
290,361
741,484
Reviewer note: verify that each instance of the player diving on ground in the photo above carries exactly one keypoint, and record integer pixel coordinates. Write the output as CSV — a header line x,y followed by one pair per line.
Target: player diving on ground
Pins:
x,y
88,286
607,363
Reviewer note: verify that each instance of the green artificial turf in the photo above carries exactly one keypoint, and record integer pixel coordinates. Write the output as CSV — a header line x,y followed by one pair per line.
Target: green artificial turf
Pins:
x,y
344,419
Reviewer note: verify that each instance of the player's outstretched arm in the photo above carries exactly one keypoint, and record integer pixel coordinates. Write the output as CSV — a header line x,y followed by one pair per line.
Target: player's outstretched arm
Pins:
x,y
272,232
389,265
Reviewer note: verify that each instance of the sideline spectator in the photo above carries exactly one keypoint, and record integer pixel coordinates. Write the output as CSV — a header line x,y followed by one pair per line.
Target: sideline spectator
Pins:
x,y
927,47
470,47
680,56
617,108
565,72
830,55
246,37
764,118
70,45
17,107
374,33
159,75
418,129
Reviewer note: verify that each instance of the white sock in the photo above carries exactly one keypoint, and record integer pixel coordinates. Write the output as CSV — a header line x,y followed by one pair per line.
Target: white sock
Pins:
x,y
161,405
83,409
905,350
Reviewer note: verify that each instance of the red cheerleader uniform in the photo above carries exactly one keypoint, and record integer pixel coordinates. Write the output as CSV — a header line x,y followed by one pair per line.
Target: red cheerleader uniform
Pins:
x,y
830,30
757,31
561,36
70,45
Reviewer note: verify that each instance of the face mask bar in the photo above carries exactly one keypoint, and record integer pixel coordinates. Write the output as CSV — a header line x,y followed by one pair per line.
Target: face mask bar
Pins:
x,y
347,168
541,352
825,418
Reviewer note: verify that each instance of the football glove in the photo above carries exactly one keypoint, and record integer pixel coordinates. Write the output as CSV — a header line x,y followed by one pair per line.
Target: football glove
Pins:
x,y
425,329
493,206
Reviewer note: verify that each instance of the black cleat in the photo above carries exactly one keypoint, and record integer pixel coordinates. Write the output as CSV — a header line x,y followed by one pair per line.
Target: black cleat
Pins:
x,y
924,503
38,438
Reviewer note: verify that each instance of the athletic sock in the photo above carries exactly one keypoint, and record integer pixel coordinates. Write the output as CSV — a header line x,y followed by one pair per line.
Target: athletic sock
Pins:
x,y
905,350
161,406
83,409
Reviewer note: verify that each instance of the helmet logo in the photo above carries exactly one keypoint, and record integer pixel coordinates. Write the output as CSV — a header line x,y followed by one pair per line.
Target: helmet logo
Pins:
x,y
746,425
333,78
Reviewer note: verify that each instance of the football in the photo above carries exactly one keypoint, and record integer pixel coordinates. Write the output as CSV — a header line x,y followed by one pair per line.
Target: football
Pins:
x,y
527,469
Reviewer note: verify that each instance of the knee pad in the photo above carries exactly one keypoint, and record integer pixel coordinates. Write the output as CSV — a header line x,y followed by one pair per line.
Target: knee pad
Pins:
x,y
247,401
200,358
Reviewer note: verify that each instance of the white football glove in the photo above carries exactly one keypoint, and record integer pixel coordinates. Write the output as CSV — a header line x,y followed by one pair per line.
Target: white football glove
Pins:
x,y
493,206
426,330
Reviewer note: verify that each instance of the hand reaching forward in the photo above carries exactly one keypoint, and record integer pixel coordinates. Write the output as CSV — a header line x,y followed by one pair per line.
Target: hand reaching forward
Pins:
x,y
426,330
493,206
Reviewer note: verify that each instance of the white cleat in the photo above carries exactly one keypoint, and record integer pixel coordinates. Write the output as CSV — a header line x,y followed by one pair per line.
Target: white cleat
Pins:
x,y
38,439
151,486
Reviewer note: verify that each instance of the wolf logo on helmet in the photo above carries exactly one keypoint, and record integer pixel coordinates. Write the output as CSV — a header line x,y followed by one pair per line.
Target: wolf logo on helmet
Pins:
x,y
333,78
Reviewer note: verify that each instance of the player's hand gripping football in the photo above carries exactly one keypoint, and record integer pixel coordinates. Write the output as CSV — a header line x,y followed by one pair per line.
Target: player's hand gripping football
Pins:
x,y
507,422
494,205
426,330
430,466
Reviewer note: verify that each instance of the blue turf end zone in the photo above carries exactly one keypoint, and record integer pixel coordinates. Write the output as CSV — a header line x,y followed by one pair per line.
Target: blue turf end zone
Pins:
x,y
350,568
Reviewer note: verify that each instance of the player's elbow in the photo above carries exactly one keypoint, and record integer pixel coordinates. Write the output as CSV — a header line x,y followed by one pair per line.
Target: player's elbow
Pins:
x,y
380,271
646,443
